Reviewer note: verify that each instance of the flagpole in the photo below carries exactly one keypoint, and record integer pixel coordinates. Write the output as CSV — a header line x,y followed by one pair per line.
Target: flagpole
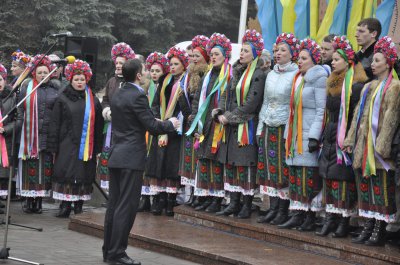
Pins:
x,y
243,19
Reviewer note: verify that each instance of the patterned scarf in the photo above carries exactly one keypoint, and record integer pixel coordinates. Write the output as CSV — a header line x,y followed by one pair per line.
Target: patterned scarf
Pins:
x,y
204,104
87,137
246,129
29,147
295,130
343,116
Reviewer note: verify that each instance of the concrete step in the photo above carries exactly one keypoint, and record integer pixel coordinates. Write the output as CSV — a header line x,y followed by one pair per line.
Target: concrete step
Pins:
x,y
200,244
341,249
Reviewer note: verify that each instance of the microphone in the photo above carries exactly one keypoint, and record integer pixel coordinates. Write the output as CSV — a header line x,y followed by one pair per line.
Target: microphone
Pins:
x,y
67,60
60,35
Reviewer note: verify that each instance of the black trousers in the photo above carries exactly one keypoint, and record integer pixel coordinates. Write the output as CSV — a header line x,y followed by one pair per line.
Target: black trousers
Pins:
x,y
124,195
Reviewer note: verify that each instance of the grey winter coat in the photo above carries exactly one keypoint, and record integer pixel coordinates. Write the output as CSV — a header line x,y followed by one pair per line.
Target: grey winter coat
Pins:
x,y
314,99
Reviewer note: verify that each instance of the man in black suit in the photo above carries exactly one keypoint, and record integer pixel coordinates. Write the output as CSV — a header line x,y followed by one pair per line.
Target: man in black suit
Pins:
x,y
132,117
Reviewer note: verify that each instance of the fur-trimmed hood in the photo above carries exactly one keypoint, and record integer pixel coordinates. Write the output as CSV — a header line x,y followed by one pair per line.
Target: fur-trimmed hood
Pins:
x,y
196,72
315,73
335,80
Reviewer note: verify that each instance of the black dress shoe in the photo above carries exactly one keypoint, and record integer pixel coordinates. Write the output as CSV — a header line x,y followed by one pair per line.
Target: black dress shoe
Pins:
x,y
125,260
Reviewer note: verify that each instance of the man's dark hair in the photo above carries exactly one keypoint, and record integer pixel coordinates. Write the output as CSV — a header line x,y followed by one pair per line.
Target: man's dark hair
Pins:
x,y
329,38
372,24
130,69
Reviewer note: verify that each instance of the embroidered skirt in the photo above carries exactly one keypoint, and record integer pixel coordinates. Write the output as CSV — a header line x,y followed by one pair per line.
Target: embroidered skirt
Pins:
x,y
34,176
209,179
240,179
102,165
340,197
305,188
72,192
376,196
188,161
272,170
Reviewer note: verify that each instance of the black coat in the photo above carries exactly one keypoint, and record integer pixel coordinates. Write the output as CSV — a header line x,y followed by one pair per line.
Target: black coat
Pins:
x,y
47,94
328,167
65,136
230,151
365,58
132,117
163,162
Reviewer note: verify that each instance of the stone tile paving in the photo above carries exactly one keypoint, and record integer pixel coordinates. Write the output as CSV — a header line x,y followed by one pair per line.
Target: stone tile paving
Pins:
x,y
57,245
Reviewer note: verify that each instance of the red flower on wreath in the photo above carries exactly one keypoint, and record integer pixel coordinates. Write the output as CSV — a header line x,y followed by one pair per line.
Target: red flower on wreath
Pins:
x,y
104,162
228,166
335,185
310,183
48,172
363,187
328,183
32,172
285,171
272,169
377,190
272,138
260,165
203,169
241,169
352,187
298,181
217,170
187,159
292,179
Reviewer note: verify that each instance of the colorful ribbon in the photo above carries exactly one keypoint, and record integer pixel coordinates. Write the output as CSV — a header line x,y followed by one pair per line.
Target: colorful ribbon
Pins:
x,y
87,137
245,130
3,146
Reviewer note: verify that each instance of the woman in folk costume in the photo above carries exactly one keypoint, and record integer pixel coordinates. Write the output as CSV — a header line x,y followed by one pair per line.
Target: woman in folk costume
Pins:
x,y
120,52
75,137
207,132
19,62
190,84
343,92
163,161
373,127
303,133
158,65
6,129
272,170
238,113
35,161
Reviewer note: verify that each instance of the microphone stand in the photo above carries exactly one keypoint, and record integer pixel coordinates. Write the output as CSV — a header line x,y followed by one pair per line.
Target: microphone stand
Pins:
x,y
4,252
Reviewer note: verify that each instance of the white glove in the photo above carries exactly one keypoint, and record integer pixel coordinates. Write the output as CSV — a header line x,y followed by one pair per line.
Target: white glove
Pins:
x,y
107,114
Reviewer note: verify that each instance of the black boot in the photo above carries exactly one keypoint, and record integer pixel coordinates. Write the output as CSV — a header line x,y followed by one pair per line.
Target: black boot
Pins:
x,y
65,209
295,221
215,205
272,212
245,212
283,211
170,204
207,202
309,223
330,224
365,233
154,205
197,201
378,234
162,203
28,205
78,207
37,205
191,198
144,204
343,228
234,205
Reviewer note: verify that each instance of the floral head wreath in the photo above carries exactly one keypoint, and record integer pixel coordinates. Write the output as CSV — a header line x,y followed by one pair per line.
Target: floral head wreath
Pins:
x,y
38,61
342,46
122,50
78,67
221,41
199,43
157,58
387,47
3,71
180,54
20,57
255,40
290,40
313,49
